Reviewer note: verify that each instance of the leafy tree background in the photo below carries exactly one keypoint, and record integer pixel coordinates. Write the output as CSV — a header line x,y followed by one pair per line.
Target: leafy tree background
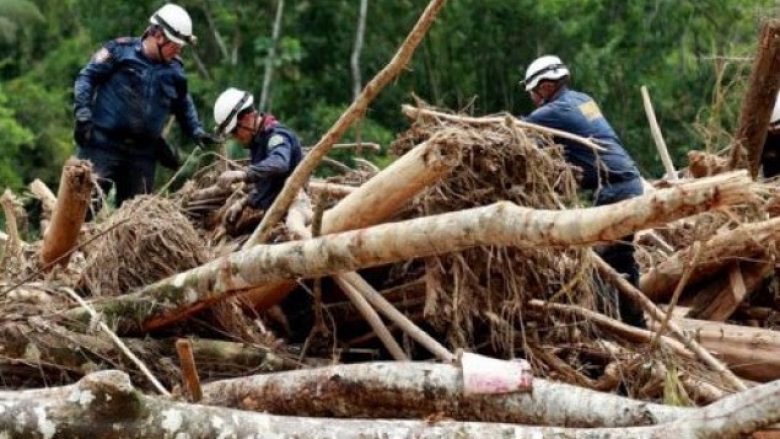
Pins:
x,y
694,57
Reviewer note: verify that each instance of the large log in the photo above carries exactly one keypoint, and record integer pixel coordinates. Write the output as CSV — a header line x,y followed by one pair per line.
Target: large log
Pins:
x,y
753,353
69,213
744,241
105,405
502,223
300,176
375,201
415,390
759,100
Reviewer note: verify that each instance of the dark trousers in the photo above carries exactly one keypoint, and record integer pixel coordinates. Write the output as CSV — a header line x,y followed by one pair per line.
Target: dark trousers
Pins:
x,y
620,255
132,175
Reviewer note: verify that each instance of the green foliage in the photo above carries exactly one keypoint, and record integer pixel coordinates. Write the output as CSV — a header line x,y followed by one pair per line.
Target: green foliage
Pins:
x,y
14,137
691,55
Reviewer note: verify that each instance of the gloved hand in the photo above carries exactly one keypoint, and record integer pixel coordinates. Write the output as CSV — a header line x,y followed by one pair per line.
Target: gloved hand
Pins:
x,y
205,139
82,133
234,212
229,177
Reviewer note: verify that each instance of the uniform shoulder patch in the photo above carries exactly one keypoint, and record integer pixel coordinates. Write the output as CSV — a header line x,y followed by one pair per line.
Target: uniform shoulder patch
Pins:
x,y
276,140
590,110
101,55
123,40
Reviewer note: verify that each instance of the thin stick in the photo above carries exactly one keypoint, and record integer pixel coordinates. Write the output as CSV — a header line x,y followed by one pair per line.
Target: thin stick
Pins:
x,y
616,327
188,369
678,290
655,130
633,293
119,343
386,308
372,318
298,179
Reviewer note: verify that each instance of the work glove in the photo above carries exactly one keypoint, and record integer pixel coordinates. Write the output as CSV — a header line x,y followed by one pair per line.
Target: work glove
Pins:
x,y
229,177
82,133
205,139
233,213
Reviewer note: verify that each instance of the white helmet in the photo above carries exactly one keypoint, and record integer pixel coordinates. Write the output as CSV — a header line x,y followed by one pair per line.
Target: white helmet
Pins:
x,y
546,67
175,22
227,107
775,119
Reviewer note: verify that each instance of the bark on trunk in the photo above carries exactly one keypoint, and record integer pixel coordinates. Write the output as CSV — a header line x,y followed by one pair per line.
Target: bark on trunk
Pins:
x,y
298,179
753,353
416,390
375,201
759,101
745,241
502,223
69,213
105,405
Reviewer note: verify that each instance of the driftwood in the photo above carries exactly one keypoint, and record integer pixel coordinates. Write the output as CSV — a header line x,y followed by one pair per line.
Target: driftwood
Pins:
x,y
298,179
375,201
105,405
745,241
69,213
759,100
753,353
415,390
502,223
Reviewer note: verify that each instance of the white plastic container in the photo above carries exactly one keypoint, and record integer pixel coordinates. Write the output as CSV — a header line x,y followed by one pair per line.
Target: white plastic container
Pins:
x,y
486,375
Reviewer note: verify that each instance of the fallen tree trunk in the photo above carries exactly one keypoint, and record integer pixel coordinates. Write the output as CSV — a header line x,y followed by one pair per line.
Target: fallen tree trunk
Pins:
x,y
300,176
69,213
502,223
753,353
745,241
105,405
759,100
415,390
378,199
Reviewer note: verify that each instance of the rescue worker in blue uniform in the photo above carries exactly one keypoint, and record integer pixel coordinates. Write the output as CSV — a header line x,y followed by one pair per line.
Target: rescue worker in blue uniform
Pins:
x,y
612,175
123,97
275,150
